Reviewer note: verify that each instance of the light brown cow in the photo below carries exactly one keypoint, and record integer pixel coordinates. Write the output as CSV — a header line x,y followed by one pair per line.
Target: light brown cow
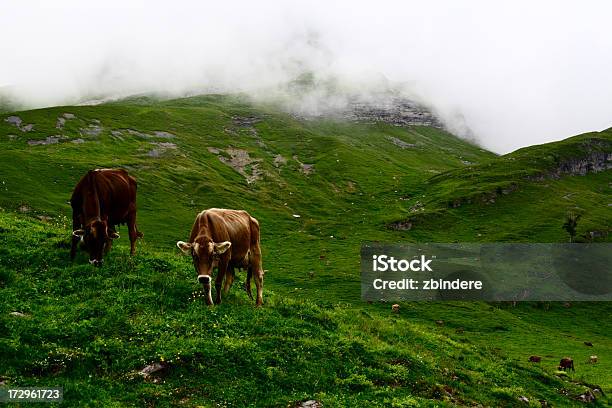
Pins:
x,y
225,239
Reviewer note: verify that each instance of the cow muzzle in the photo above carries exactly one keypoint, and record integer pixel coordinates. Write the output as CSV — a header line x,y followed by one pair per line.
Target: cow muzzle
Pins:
x,y
205,281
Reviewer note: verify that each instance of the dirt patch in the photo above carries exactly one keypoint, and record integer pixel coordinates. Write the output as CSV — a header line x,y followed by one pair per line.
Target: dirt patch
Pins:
x,y
241,161
305,168
279,160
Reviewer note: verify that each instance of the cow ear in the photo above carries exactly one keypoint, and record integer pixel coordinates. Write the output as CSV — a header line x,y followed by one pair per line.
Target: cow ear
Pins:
x,y
113,235
222,247
78,233
185,247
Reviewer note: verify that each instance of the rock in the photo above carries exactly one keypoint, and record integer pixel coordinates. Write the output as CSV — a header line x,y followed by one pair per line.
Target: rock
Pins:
x,y
310,404
163,147
78,141
307,168
440,322
152,369
535,359
23,208
69,116
386,108
18,314
400,143
14,120
524,399
586,397
164,135
59,124
405,225
395,308
93,130
47,141
588,343
18,123
139,134
296,215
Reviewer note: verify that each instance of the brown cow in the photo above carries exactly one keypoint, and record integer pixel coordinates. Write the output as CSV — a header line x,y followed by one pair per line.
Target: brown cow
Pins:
x,y
535,359
566,363
214,232
102,199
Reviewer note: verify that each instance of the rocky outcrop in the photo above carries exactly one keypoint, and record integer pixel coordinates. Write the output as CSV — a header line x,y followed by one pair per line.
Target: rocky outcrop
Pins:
x,y
395,111
594,162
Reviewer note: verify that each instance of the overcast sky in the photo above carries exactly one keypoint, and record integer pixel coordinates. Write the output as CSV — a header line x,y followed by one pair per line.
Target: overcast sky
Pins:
x,y
518,73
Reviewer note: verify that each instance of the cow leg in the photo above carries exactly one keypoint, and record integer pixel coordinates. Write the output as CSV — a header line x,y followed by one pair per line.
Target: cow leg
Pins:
x,y
259,275
229,279
75,240
134,234
221,272
247,284
108,246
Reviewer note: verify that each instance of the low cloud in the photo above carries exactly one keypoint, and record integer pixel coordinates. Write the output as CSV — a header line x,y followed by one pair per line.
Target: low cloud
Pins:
x,y
512,74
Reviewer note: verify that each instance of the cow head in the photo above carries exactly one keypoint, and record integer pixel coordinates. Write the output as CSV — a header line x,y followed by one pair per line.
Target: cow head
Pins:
x,y
95,238
205,255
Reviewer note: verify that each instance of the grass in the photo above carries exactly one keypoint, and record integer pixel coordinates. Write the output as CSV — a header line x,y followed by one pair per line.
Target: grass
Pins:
x,y
91,330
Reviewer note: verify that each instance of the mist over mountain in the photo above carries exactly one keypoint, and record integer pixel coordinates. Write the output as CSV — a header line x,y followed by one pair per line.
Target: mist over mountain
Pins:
x,y
509,75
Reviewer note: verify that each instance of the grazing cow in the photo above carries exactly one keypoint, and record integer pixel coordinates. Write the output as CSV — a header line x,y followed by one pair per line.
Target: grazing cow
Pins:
x,y
102,199
566,363
226,239
535,359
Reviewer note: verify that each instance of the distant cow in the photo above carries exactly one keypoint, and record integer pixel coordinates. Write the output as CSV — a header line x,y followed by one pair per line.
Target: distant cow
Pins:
x,y
102,199
566,363
226,239
535,359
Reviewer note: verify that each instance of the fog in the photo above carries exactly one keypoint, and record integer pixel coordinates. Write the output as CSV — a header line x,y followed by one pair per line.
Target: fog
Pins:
x,y
513,74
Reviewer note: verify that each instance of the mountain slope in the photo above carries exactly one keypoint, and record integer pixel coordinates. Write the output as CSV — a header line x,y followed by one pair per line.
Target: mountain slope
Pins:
x,y
529,192
347,182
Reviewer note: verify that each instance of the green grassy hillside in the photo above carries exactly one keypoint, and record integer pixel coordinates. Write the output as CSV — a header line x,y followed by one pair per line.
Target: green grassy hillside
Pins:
x,y
91,330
